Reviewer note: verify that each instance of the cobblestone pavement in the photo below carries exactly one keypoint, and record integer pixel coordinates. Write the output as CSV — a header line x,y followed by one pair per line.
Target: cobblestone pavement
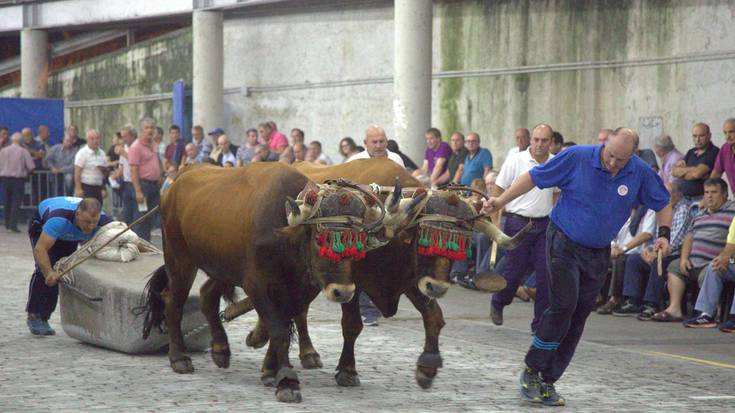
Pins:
x,y
481,366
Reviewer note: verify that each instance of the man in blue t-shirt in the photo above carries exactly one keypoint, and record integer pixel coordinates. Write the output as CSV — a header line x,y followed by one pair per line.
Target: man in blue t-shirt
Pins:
x,y
478,163
56,229
599,185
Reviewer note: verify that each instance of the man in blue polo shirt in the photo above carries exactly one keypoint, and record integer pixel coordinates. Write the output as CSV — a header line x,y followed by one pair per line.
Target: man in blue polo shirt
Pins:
x,y
478,163
56,229
599,185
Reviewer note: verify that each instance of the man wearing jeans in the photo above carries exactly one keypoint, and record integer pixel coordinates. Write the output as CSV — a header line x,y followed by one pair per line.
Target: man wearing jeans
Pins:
x,y
599,185
145,176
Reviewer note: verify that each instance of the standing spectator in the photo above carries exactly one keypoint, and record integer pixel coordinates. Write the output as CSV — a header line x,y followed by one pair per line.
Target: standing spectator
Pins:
x,y
409,164
214,134
227,151
204,148
347,148
72,131
160,144
705,239
697,164
169,155
725,161
60,160
145,173
599,185
670,156
246,151
557,143
90,167
523,140
43,137
4,137
602,135
15,165
376,146
128,135
35,148
479,161
435,159
315,151
534,207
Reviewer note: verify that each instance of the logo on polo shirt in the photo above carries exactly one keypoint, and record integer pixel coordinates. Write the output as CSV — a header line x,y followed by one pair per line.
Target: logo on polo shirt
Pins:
x,y
622,190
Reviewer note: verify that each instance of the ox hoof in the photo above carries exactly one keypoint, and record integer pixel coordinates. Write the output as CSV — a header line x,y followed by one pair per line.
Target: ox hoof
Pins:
x,y
268,379
221,358
255,340
311,361
425,377
288,395
347,379
182,365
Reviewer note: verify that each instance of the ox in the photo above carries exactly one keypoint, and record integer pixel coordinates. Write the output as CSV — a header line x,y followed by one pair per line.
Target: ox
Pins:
x,y
243,228
399,267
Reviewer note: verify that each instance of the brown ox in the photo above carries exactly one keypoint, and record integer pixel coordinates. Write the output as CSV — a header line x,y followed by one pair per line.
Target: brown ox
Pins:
x,y
392,270
233,225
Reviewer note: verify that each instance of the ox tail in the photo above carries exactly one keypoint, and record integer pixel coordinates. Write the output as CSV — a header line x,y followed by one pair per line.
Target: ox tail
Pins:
x,y
154,307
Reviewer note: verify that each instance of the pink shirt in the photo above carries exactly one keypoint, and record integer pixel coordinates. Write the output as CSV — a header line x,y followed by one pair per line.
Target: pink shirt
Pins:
x,y
278,141
145,158
725,162
15,162
667,166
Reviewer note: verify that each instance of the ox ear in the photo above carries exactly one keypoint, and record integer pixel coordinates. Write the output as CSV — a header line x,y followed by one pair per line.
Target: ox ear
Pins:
x,y
486,227
292,233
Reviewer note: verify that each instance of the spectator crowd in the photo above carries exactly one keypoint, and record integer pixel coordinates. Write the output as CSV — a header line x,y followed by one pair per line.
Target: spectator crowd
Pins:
x,y
691,285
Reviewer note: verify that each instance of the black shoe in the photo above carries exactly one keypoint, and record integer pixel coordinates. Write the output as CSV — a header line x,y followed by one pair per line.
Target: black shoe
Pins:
x,y
531,386
550,397
496,316
627,310
647,313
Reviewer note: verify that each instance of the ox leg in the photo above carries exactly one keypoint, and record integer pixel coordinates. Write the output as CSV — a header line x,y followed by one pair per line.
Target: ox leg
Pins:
x,y
351,328
430,360
268,371
308,355
175,297
211,292
276,359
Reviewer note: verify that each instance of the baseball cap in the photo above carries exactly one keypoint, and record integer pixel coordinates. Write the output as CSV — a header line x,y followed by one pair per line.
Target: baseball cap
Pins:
x,y
216,131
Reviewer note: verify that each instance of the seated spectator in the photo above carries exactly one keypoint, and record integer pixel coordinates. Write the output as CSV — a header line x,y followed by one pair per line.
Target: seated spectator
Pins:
x,y
602,135
478,163
60,160
299,152
641,269
632,239
725,162
407,162
557,143
347,148
214,135
705,239
275,141
697,164
247,150
277,137
191,154
670,156
227,151
262,154
459,153
435,160
204,148
314,152
718,272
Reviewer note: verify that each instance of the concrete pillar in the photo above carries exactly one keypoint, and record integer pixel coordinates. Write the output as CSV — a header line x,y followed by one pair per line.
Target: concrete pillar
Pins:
x,y
34,63
412,75
208,83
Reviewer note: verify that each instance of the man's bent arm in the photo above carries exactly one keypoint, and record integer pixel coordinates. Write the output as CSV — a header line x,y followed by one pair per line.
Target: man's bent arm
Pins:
x,y
40,253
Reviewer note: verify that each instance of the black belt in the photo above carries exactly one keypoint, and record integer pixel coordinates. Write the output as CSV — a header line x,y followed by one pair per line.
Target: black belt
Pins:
x,y
512,215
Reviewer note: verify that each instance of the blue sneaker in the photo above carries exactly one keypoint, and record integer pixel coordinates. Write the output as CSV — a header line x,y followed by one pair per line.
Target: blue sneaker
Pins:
x,y
531,386
550,396
47,330
728,326
36,325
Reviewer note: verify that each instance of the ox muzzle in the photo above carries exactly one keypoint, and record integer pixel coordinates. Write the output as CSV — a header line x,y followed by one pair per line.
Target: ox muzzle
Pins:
x,y
339,293
433,288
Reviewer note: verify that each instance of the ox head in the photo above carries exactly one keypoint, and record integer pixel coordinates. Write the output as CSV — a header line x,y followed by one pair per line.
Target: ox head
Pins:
x,y
440,227
335,220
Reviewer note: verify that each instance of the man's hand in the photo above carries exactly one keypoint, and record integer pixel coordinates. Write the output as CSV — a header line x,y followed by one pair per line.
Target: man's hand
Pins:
x,y
53,278
720,262
685,266
490,206
648,256
681,163
79,193
662,244
139,197
616,251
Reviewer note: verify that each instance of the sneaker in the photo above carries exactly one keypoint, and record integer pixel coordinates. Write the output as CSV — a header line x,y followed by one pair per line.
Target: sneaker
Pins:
x,y
47,330
608,308
628,309
703,321
370,321
728,326
496,316
549,396
35,325
647,313
531,386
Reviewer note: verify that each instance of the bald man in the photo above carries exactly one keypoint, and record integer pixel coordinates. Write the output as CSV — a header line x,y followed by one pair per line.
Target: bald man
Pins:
x,y
599,186
725,161
376,146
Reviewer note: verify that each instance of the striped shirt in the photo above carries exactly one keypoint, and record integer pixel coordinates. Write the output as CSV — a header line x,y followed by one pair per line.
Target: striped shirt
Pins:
x,y
710,233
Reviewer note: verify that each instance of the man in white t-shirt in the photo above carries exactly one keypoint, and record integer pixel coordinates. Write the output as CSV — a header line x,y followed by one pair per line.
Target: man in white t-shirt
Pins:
x,y
90,166
534,206
523,137
376,146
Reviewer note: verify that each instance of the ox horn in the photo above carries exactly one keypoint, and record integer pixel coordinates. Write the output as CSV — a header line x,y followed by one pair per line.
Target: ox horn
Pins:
x,y
293,212
395,197
486,227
